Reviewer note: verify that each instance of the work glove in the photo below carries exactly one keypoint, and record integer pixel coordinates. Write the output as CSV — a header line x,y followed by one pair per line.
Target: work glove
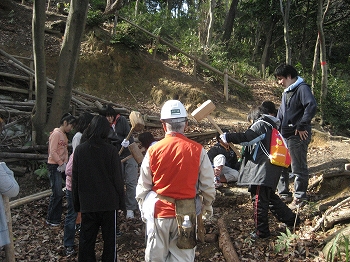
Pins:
x,y
223,138
62,168
207,211
125,143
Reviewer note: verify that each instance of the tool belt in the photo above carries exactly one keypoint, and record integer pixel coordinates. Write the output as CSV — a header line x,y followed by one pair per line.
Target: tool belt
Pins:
x,y
187,237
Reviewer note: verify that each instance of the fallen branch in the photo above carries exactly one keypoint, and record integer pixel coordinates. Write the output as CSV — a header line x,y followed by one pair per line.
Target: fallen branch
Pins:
x,y
320,222
23,156
27,199
225,243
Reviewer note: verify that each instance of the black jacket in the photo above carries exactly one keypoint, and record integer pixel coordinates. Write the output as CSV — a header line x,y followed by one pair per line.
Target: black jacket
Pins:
x,y
97,183
256,168
231,157
119,133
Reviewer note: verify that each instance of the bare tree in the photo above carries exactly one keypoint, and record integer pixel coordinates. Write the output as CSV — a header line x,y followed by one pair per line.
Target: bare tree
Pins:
x,y
68,61
323,60
40,114
285,14
230,18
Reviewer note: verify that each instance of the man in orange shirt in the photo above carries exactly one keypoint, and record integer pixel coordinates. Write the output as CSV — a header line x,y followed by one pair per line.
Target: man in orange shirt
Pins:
x,y
175,168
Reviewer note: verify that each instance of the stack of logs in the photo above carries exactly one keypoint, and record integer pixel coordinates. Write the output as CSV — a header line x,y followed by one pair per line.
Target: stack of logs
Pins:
x,y
13,147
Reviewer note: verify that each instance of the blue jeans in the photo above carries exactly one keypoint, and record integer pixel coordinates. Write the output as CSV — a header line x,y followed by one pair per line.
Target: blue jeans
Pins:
x,y
69,225
130,173
298,153
54,212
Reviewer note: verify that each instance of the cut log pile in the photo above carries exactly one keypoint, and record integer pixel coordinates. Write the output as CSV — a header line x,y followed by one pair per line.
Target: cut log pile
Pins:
x,y
19,112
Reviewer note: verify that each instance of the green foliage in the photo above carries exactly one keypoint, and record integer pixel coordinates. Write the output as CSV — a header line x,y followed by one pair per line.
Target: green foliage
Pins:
x,y
284,241
94,18
98,4
340,249
42,172
127,35
337,105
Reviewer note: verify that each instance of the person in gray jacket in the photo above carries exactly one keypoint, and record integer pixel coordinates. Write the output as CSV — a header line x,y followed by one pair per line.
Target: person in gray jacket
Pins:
x,y
10,188
259,174
297,109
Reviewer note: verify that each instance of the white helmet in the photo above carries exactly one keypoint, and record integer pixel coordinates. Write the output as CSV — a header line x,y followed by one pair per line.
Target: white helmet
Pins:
x,y
173,111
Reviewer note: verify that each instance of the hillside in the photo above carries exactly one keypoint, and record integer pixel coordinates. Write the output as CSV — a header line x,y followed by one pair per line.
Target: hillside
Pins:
x,y
133,79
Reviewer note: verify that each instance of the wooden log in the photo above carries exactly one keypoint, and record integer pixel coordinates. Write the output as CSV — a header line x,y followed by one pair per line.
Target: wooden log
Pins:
x,y
23,156
225,243
27,199
14,76
14,89
338,235
335,217
27,103
9,248
27,149
14,112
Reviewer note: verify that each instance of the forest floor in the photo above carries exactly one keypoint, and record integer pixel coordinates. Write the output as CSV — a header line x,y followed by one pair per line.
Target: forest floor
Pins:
x,y
35,241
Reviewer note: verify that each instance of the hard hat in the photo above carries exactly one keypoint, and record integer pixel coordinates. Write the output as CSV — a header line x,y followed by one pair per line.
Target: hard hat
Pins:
x,y
173,111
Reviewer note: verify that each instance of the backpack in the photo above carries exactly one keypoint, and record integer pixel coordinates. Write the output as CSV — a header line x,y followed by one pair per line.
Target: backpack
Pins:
x,y
279,153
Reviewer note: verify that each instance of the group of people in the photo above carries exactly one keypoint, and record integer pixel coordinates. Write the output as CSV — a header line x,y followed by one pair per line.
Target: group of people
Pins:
x,y
95,179
177,177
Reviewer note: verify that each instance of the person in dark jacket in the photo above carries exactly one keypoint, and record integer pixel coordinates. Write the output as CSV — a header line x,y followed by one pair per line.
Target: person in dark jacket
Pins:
x,y
98,190
259,174
119,130
224,149
224,161
297,109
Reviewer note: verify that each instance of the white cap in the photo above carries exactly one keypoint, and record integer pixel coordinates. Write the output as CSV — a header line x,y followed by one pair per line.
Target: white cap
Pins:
x,y
173,111
219,160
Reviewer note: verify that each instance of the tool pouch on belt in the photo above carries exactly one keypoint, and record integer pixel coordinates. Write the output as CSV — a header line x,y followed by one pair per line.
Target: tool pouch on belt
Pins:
x,y
187,236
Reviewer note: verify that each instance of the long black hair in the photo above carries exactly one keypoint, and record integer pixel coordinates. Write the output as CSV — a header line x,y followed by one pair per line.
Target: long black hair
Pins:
x,y
98,129
68,118
83,121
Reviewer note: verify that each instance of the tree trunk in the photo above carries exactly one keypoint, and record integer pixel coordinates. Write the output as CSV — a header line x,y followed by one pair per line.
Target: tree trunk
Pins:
x,y
230,18
314,65
265,55
39,117
211,23
285,15
68,61
323,62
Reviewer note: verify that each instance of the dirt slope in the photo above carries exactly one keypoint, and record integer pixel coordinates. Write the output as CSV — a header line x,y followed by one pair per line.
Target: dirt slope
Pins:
x,y
132,78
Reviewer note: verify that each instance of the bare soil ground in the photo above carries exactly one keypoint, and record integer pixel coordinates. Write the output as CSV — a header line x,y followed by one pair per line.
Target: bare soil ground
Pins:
x,y
141,83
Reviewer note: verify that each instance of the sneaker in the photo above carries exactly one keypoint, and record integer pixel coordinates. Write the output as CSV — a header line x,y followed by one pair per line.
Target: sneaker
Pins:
x,y
297,203
254,235
52,224
69,251
77,227
119,233
286,199
129,214
218,185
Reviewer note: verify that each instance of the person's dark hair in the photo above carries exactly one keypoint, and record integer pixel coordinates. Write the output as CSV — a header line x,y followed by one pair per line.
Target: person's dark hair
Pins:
x,y
268,107
146,139
285,70
98,128
254,114
108,110
68,118
83,121
217,136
